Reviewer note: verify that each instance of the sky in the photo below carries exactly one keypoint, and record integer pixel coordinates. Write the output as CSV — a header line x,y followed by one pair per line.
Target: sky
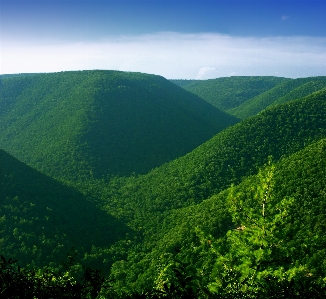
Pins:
x,y
177,39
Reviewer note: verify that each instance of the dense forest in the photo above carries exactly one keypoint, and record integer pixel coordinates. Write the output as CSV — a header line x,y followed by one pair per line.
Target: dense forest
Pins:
x,y
230,92
128,185
102,122
246,96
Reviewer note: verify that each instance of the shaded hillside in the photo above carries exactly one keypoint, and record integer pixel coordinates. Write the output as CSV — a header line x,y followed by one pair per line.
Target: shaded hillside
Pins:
x,y
178,214
150,203
229,92
75,125
41,220
282,93
226,158
183,82
194,234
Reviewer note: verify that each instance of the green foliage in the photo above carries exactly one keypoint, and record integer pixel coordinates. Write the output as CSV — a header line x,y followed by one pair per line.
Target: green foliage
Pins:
x,y
177,279
296,215
16,282
171,233
229,156
256,259
162,205
284,92
254,251
182,82
229,92
81,125
42,219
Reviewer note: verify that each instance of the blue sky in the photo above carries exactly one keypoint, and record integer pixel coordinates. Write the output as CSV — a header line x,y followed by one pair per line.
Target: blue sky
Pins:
x,y
176,39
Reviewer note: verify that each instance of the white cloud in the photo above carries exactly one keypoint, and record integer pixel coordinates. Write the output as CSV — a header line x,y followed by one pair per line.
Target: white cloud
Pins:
x,y
174,55
284,18
204,72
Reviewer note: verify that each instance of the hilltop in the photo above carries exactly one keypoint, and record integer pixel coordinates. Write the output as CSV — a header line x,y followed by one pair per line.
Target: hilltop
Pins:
x,y
175,225
284,92
229,92
234,153
165,205
244,97
90,124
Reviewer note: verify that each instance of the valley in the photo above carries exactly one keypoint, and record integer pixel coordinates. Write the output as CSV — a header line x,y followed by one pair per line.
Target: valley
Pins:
x,y
163,184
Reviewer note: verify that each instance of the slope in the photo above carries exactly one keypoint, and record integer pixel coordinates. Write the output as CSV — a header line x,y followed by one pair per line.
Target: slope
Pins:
x,y
148,202
183,82
282,93
236,152
41,220
230,92
75,125
186,235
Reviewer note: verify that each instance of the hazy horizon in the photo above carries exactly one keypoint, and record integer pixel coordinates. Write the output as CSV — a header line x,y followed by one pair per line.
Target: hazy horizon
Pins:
x,y
175,39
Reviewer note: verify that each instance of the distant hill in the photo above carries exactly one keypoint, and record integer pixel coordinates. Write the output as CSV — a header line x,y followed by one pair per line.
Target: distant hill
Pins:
x,y
284,92
168,203
246,96
41,220
183,82
18,75
230,92
226,158
76,125
174,208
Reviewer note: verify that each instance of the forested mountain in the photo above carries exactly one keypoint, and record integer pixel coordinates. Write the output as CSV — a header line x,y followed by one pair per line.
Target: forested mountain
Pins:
x,y
78,125
42,220
242,215
192,238
183,82
2,76
246,96
229,156
282,93
229,92
150,203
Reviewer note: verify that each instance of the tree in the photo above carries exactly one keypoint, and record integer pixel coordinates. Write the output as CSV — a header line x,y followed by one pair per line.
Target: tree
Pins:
x,y
47,283
254,260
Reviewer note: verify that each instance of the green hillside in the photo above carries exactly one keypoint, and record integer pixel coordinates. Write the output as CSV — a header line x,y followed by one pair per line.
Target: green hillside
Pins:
x,y
41,220
214,219
183,82
78,125
229,92
195,236
282,93
229,156
162,205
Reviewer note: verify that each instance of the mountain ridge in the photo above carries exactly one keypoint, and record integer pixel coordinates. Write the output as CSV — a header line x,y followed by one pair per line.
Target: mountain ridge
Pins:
x,y
97,123
176,214
282,93
226,93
